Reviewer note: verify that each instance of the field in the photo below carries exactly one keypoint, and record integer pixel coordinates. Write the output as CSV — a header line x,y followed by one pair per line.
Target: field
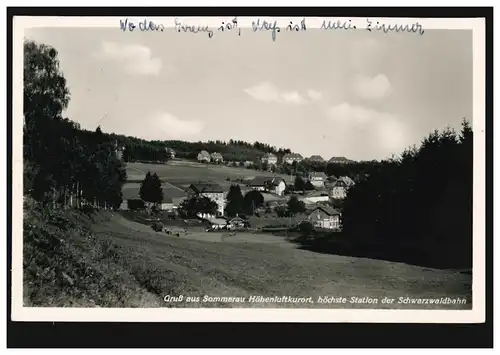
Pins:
x,y
217,264
183,173
220,264
110,260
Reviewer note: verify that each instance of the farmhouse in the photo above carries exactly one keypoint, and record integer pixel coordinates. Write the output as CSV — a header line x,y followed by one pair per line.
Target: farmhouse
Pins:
x,y
266,184
236,223
259,183
212,191
316,159
291,158
218,223
348,181
317,179
339,190
269,159
324,217
277,186
216,157
247,163
203,156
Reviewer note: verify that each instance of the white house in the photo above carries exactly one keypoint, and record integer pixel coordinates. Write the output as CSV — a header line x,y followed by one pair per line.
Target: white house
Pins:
x,y
267,184
317,179
324,217
277,186
218,223
339,190
269,159
203,156
216,157
292,157
212,191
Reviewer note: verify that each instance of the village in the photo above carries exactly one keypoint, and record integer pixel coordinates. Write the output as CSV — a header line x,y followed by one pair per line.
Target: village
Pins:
x,y
279,201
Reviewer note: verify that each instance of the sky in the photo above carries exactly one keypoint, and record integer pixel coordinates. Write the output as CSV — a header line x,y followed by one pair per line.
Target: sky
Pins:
x,y
355,94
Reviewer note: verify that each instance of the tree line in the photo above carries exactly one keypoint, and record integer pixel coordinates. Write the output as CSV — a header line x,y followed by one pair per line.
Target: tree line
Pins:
x,y
63,164
419,205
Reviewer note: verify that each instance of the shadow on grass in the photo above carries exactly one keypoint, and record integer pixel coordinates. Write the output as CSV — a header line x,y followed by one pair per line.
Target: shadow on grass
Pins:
x,y
337,243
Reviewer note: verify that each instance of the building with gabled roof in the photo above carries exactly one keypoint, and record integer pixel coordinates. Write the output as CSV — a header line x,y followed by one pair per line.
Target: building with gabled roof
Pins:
x,y
269,158
290,158
204,156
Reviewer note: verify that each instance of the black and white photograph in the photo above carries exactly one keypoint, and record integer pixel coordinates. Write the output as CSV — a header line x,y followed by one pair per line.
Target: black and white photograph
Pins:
x,y
300,164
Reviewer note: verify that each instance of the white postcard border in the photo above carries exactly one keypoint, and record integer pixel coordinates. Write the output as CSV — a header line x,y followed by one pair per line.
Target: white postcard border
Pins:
x,y
476,315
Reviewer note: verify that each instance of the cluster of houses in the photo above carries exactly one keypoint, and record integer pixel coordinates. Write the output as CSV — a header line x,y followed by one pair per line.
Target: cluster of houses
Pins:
x,y
320,216
290,158
270,185
206,157
271,159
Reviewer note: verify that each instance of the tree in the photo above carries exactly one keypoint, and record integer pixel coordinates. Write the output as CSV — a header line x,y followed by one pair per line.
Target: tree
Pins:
x,y
299,184
419,202
281,211
295,206
151,189
73,167
253,199
190,208
145,189
308,186
234,201
306,228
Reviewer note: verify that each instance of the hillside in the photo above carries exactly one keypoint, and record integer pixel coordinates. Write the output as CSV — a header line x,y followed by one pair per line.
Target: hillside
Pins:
x,y
232,150
86,259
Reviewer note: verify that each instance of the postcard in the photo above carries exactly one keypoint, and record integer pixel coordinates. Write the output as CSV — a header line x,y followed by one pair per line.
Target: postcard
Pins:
x,y
248,169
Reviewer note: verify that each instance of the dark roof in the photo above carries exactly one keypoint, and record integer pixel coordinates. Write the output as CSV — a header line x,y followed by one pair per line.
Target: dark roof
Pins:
x,y
260,181
206,187
319,174
316,193
276,181
339,160
269,155
316,158
339,183
327,209
292,156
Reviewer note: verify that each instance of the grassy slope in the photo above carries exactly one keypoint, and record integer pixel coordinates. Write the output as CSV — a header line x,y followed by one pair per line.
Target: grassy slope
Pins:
x,y
239,268
185,173
73,259
64,264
